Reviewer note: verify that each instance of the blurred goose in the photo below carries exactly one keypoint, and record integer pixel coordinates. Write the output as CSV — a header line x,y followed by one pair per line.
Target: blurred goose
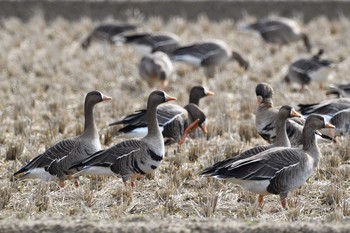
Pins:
x,y
146,43
315,69
133,157
277,170
326,108
280,30
209,55
266,115
282,140
54,163
340,90
341,121
175,122
156,67
106,32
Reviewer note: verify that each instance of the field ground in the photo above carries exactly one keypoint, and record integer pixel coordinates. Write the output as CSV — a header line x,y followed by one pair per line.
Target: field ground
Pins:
x,y
45,75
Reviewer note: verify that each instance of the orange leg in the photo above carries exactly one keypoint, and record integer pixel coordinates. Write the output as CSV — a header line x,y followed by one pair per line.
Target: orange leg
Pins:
x,y
76,183
260,200
284,202
61,183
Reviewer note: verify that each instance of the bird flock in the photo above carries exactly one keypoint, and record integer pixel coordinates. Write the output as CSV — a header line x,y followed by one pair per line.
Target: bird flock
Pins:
x,y
277,168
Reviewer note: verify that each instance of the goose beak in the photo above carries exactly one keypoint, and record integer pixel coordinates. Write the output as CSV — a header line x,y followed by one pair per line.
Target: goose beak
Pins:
x,y
204,128
294,113
209,93
329,125
105,97
169,98
189,128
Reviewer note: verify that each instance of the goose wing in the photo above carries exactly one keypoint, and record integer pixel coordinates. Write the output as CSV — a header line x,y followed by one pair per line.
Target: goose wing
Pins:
x,y
57,151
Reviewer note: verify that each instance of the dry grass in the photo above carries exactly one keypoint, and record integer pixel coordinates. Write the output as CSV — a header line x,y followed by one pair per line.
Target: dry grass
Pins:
x,y
44,76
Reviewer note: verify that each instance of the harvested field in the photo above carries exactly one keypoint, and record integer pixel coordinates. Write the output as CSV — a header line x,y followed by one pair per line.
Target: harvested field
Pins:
x,y
45,75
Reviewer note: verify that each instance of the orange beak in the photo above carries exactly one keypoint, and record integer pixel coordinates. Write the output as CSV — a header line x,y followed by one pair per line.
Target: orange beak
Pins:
x,y
209,93
329,125
294,113
105,97
169,98
204,128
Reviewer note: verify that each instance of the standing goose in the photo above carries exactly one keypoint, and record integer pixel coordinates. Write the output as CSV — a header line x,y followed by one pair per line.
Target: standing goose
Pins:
x,y
282,140
280,169
156,67
173,119
209,55
54,163
340,90
106,32
303,71
327,108
146,43
134,157
279,30
266,115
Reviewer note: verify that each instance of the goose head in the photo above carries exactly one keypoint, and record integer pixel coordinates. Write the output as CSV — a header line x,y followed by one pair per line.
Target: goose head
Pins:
x,y
264,93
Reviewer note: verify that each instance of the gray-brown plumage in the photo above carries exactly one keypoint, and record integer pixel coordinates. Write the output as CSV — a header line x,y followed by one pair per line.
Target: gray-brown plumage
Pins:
x,y
340,90
156,67
208,54
341,121
306,70
266,115
280,169
55,162
327,108
134,157
173,119
282,140
146,43
106,32
279,30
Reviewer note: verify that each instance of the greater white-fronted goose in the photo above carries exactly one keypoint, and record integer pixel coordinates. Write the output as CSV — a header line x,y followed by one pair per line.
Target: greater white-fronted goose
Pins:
x,y
146,43
340,90
156,67
279,30
303,71
55,162
280,169
106,32
133,157
173,120
266,115
326,108
282,140
209,55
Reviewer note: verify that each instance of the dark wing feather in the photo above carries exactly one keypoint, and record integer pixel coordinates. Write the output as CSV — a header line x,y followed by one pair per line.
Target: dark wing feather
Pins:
x,y
262,166
57,151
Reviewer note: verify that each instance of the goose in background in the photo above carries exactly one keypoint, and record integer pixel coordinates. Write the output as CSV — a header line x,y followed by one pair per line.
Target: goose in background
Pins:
x,y
304,71
156,67
340,90
280,30
266,115
341,121
326,108
132,158
146,43
208,54
279,169
106,32
55,162
175,122
282,140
